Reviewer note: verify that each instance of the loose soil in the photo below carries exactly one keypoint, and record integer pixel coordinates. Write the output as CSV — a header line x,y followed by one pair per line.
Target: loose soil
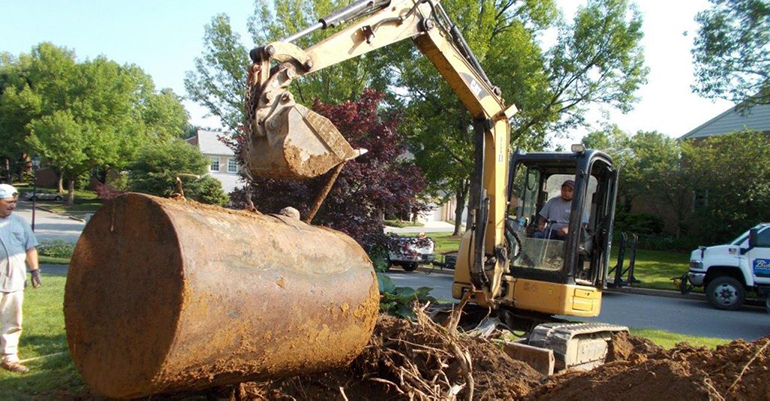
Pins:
x,y
421,360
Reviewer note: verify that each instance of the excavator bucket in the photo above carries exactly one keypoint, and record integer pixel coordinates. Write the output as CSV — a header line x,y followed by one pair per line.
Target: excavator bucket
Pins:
x,y
164,295
285,139
298,144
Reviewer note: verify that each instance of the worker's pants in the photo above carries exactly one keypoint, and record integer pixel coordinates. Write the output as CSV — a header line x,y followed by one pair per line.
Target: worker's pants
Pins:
x,y
10,321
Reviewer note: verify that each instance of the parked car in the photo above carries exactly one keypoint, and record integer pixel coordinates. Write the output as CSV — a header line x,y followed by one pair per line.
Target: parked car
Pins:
x,y
42,196
409,252
729,271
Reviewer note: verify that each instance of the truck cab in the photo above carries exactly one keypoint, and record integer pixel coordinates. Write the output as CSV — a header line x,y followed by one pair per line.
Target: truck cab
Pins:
x,y
729,271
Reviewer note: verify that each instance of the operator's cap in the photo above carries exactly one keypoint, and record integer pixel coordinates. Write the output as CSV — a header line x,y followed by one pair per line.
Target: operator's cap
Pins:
x,y
8,192
569,183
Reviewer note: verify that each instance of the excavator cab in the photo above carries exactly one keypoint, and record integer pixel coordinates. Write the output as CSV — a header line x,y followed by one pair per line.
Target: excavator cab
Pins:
x,y
548,273
577,261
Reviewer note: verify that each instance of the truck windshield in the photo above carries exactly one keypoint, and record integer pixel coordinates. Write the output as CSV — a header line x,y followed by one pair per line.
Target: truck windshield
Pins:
x,y
740,239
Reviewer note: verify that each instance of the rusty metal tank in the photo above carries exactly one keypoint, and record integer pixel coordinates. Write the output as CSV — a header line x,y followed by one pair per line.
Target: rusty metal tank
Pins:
x,y
164,295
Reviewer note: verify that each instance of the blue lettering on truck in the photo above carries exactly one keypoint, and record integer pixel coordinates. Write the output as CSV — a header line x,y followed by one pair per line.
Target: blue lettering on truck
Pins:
x,y
762,267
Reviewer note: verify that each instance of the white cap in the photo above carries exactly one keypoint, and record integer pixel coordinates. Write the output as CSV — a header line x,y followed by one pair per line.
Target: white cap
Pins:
x,y
8,191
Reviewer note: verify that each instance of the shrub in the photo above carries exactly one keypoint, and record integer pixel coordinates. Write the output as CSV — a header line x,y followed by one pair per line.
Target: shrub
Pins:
x,y
639,223
56,248
157,165
368,187
207,190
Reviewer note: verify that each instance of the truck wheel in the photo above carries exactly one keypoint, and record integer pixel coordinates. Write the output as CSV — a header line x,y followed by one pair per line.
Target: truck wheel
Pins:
x,y
726,293
410,267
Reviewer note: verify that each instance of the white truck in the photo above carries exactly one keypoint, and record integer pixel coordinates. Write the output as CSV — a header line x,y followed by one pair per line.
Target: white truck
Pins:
x,y
728,271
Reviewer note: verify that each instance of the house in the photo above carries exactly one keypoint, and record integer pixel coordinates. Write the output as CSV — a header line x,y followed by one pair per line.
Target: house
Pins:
x,y
756,118
223,165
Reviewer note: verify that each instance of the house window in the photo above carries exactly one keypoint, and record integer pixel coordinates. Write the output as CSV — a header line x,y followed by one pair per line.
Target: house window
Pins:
x,y
214,163
232,165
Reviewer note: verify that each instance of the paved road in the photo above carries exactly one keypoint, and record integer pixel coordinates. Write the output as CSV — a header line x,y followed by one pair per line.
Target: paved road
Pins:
x,y
51,225
686,316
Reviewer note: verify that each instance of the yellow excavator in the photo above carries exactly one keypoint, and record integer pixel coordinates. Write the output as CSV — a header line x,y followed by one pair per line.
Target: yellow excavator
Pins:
x,y
165,295
502,263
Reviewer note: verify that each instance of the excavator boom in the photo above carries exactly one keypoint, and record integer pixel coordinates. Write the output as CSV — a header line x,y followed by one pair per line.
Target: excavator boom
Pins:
x,y
288,140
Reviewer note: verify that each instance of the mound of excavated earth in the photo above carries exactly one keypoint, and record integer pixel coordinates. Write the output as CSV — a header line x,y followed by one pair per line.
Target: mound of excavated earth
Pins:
x,y
420,360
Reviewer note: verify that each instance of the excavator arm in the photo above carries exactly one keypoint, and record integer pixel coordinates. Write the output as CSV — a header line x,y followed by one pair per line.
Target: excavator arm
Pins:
x,y
288,140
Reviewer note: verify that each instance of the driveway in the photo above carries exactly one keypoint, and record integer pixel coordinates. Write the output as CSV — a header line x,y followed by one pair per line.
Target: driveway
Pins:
x,y
51,226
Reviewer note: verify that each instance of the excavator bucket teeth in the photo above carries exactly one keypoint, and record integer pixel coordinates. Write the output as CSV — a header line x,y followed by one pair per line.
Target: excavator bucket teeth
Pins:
x,y
299,144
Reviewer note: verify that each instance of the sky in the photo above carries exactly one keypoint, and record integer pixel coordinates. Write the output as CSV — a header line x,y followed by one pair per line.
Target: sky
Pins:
x,y
164,36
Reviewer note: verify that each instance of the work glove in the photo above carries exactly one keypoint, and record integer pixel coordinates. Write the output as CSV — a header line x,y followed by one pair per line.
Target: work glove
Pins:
x,y
36,282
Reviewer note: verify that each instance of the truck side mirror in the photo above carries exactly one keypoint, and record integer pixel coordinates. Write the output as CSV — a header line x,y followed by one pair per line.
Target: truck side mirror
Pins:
x,y
753,234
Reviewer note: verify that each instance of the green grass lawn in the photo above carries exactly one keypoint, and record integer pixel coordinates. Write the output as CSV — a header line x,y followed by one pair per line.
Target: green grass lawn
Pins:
x,y
402,223
44,338
50,260
669,340
654,268
445,242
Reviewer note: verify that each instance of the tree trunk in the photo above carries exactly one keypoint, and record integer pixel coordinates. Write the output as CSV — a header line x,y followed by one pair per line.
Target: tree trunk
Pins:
x,y
7,171
61,184
462,194
22,167
71,192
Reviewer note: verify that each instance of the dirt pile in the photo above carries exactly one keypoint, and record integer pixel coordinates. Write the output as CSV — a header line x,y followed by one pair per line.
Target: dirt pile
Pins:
x,y
640,370
421,361
413,360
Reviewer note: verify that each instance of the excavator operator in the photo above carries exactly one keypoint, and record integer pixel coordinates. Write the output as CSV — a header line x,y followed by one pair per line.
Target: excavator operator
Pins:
x,y
555,214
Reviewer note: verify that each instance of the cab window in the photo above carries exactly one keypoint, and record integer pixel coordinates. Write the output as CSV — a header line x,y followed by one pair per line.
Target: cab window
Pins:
x,y
763,238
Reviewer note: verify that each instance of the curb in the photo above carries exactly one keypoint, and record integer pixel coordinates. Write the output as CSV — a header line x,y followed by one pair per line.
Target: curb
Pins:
x,y
45,209
655,293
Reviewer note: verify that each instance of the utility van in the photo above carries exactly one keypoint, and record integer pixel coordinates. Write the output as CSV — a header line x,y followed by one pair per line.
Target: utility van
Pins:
x,y
729,271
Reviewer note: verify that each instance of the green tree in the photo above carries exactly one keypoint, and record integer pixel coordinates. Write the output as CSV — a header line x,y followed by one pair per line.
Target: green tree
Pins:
x,y
158,165
164,115
218,81
731,51
597,59
663,173
92,102
733,193
65,144
105,110
617,144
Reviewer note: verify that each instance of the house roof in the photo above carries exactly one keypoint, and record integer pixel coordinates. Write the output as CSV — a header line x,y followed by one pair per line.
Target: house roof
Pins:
x,y
756,118
209,144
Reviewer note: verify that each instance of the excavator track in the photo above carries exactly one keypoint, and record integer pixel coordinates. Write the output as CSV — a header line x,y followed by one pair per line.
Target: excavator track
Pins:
x,y
576,346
